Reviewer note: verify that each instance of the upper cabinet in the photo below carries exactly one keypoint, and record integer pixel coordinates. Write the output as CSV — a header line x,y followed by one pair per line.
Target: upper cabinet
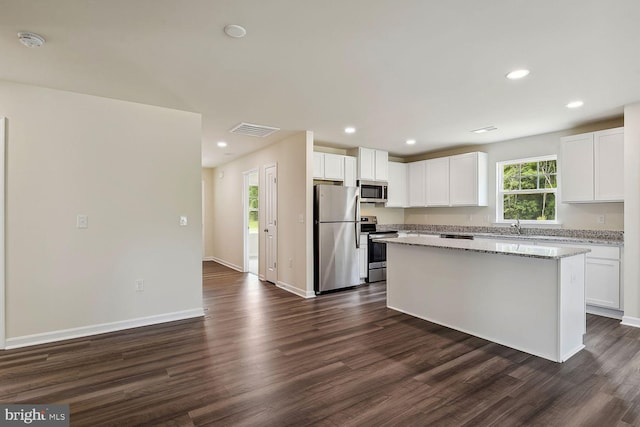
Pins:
x,y
397,188
373,165
416,184
350,171
332,167
437,182
468,179
592,167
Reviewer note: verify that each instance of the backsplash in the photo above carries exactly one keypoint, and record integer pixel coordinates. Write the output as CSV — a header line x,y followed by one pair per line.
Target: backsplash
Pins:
x,y
613,235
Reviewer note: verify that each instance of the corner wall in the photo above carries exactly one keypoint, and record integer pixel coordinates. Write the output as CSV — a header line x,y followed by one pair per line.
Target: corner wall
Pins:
x,y
133,169
293,156
631,268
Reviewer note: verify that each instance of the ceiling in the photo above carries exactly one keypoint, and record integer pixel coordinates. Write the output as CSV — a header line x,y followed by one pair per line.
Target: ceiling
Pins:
x,y
394,69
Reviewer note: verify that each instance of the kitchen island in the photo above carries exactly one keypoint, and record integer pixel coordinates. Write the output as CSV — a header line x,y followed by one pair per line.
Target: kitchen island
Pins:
x,y
527,297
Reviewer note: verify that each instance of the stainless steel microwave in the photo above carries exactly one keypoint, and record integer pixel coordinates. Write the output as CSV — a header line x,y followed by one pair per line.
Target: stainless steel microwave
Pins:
x,y
373,191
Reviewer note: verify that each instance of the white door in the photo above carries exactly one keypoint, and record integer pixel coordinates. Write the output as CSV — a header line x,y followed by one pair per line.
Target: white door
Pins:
x,y
251,223
271,222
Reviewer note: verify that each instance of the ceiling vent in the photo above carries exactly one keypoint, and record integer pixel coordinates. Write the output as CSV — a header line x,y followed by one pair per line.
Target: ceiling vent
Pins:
x,y
253,130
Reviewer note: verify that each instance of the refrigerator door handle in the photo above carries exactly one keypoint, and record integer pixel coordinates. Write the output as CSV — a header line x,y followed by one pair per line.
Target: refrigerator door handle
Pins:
x,y
357,222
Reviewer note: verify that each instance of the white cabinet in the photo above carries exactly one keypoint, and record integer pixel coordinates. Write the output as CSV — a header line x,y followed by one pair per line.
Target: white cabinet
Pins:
x,y
592,167
318,165
416,184
603,282
362,255
350,171
397,188
468,179
603,287
373,164
333,167
327,166
437,182
608,148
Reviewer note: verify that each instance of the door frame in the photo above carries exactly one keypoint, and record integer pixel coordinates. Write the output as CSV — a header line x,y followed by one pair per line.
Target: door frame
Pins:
x,y
3,305
245,221
263,207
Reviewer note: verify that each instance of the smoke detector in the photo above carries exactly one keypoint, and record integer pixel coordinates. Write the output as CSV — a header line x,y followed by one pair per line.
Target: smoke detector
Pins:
x,y
235,31
30,39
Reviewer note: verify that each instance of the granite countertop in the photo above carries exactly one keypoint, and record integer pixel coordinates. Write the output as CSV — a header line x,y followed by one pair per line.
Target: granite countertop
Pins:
x,y
586,237
530,237
490,247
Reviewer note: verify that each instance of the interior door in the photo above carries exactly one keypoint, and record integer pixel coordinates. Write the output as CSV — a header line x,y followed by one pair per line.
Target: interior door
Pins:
x,y
271,222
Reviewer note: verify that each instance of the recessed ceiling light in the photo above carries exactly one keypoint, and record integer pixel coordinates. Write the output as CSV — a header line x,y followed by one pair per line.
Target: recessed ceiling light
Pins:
x,y
575,104
222,144
517,74
235,31
30,39
411,141
350,129
485,129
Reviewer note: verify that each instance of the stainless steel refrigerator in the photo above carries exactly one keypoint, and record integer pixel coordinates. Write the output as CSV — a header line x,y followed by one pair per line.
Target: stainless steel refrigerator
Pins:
x,y
336,237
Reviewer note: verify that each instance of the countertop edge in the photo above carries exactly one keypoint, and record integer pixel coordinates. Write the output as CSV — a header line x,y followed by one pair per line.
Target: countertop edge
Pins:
x,y
442,244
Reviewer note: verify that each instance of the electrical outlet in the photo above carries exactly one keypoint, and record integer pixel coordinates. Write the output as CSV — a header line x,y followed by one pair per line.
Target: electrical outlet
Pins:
x,y
469,218
139,285
183,221
600,219
82,221
290,262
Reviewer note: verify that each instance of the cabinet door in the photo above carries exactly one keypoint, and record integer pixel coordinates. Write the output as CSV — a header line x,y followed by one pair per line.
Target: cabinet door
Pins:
x,y
437,182
349,171
608,148
397,190
381,169
463,184
603,283
334,167
318,165
362,253
366,164
416,183
576,168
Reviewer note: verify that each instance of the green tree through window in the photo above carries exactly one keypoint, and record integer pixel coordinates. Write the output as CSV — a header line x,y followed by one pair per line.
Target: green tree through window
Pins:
x,y
527,189
253,208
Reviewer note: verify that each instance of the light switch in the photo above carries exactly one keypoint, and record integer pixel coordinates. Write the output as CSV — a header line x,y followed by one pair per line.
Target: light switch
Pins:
x,y
82,221
301,218
183,220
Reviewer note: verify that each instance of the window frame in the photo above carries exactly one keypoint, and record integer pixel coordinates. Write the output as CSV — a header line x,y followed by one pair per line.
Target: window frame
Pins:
x,y
500,190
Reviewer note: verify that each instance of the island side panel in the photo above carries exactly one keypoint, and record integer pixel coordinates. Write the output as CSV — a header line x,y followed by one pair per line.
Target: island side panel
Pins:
x,y
573,318
511,300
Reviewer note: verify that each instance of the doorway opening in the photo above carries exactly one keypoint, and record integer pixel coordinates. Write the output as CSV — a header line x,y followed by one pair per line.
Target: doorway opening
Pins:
x,y
251,222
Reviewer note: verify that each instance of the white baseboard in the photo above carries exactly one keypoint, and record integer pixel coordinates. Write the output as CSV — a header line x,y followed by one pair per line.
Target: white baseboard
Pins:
x,y
262,278
606,312
631,321
83,331
294,290
225,263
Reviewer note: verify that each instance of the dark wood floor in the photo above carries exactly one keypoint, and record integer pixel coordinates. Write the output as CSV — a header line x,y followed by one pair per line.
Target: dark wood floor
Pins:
x,y
264,357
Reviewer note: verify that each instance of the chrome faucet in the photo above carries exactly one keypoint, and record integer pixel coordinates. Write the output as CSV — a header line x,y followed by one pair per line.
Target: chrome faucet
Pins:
x,y
517,226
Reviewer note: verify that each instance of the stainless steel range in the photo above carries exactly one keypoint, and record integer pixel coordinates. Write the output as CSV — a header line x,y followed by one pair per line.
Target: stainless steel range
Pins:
x,y
377,251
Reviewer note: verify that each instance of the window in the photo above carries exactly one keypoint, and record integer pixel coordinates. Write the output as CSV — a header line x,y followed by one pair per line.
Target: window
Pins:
x,y
527,190
253,208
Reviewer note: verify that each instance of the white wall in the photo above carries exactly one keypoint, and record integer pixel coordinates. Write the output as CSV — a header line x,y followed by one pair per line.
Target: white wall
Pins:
x,y
631,268
293,156
572,216
133,169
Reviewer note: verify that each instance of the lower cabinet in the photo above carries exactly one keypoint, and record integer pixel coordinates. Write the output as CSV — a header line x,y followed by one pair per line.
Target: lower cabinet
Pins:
x,y
363,255
603,282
